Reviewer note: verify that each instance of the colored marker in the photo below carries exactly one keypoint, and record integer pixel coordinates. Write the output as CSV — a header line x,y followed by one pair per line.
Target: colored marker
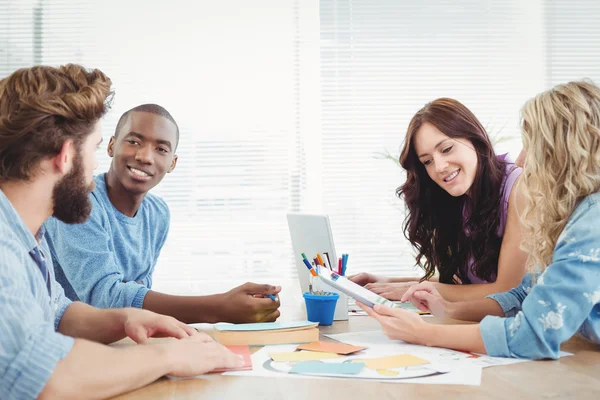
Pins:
x,y
272,297
326,263
310,268
320,260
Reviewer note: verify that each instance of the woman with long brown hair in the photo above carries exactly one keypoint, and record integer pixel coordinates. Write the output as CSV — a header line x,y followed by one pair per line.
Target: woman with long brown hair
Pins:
x,y
461,207
560,296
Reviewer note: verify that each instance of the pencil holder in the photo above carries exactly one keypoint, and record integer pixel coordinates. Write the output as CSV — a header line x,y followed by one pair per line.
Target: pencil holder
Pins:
x,y
320,307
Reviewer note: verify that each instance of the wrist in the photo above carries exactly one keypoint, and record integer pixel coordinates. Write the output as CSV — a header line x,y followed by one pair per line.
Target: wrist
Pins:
x,y
165,352
212,308
430,335
452,309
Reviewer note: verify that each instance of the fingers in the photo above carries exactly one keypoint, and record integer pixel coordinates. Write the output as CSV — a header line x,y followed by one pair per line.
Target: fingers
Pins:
x,y
424,299
255,288
201,337
227,358
376,287
370,311
271,317
385,310
172,330
188,329
419,286
138,334
264,303
415,301
360,279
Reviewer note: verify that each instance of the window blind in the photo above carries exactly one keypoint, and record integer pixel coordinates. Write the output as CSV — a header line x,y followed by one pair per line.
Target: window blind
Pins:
x,y
382,60
287,105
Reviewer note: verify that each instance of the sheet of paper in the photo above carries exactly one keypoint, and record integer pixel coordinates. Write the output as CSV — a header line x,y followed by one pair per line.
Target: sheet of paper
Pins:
x,y
436,355
397,361
453,374
301,356
263,326
328,347
317,367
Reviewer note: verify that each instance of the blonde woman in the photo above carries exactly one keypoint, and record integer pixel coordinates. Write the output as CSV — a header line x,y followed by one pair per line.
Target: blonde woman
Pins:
x,y
561,294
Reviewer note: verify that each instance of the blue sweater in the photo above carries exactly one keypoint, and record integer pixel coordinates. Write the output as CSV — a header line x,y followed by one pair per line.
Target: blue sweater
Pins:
x,y
108,260
564,300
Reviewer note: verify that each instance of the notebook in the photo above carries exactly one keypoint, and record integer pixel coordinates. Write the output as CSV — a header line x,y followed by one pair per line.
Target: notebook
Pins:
x,y
266,333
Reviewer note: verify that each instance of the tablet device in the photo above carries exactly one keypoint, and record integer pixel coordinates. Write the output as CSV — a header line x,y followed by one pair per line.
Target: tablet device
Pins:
x,y
353,290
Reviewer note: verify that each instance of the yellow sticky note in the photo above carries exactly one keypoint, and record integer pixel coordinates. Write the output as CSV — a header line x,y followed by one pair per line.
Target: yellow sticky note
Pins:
x,y
301,356
397,361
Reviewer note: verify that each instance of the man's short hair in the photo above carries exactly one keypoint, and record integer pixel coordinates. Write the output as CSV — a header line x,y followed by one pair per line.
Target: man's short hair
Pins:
x,y
152,109
41,107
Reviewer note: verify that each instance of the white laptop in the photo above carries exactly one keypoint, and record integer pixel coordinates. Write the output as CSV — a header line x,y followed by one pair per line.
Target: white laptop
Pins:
x,y
311,234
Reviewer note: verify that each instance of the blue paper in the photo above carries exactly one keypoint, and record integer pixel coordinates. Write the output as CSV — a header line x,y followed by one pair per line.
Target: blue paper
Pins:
x,y
263,326
319,367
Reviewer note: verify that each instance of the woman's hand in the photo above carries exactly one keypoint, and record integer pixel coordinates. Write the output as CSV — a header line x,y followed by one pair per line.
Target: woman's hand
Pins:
x,y
400,324
391,291
364,278
426,298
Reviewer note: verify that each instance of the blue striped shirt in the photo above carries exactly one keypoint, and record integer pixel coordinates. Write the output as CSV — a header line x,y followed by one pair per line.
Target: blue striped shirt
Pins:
x,y
30,347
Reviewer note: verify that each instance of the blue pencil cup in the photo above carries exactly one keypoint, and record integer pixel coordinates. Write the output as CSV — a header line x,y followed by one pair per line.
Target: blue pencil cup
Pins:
x,y
320,308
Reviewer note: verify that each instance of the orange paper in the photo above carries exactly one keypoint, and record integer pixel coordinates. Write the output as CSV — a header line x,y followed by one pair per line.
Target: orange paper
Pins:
x,y
326,347
243,351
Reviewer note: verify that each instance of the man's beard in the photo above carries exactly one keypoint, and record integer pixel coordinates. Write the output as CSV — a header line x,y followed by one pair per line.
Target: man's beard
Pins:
x,y
71,195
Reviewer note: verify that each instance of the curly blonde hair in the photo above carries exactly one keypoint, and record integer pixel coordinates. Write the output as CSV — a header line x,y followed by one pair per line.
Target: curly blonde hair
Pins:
x,y
561,140
41,107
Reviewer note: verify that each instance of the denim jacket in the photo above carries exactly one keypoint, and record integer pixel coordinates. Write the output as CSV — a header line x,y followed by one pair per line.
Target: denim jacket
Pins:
x,y
544,312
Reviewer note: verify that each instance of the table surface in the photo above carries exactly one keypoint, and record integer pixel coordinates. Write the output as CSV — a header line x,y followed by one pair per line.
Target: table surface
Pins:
x,y
576,377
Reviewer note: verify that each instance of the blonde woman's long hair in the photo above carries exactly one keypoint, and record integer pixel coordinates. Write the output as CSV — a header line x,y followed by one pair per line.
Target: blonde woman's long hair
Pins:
x,y
561,140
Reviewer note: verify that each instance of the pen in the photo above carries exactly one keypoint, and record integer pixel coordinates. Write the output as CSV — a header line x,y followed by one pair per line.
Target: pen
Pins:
x,y
272,297
326,263
340,269
310,268
320,260
327,260
344,263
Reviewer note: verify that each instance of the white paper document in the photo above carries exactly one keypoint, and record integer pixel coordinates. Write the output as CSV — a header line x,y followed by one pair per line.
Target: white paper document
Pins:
x,y
437,354
429,371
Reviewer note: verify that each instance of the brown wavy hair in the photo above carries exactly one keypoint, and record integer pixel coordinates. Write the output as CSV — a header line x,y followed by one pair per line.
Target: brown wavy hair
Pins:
x,y
434,222
42,107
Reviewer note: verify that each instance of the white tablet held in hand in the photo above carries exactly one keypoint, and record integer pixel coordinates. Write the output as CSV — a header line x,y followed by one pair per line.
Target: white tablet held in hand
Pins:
x,y
353,290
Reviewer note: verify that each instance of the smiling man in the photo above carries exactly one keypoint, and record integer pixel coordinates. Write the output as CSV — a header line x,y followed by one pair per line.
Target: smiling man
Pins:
x,y
50,347
109,260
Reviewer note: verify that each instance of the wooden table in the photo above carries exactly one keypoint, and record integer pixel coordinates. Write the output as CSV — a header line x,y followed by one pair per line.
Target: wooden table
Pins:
x,y
574,377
